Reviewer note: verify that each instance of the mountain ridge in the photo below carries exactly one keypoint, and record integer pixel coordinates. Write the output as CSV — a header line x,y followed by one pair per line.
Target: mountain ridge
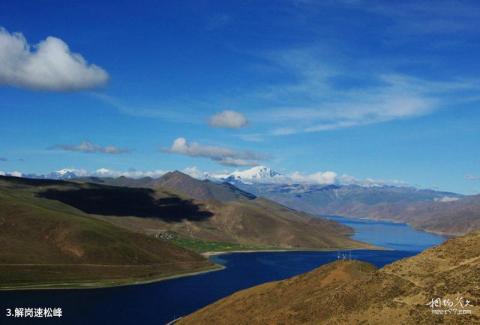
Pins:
x,y
456,214
230,217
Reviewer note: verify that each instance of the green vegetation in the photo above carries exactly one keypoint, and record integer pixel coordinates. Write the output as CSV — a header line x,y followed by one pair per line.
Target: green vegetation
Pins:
x,y
201,246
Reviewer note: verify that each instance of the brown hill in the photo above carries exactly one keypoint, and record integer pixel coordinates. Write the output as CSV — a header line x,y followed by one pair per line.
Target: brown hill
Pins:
x,y
203,190
48,243
451,218
218,212
180,183
352,292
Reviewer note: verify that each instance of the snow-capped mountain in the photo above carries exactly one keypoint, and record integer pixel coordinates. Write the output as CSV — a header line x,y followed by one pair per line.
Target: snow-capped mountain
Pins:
x,y
72,173
62,174
14,174
66,173
258,174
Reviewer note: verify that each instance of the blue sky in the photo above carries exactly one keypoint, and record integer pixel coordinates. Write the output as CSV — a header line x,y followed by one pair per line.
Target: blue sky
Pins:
x,y
384,90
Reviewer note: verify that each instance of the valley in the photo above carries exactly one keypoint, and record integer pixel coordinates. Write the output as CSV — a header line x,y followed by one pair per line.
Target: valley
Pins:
x,y
77,234
440,212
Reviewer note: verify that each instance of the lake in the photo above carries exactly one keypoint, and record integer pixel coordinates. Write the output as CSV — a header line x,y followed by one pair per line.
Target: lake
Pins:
x,y
390,235
158,303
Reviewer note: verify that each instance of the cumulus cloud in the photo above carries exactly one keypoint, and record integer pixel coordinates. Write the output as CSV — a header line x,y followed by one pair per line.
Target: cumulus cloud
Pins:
x,y
224,156
195,172
89,147
228,119
48,65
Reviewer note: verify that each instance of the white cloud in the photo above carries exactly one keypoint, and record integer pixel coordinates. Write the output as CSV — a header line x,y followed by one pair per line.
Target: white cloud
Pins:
x,y
420,17
49,65
194,172
252,137
228,119
326,178
224,156
2,173
105,172
89,147
319,98
265,175
284,131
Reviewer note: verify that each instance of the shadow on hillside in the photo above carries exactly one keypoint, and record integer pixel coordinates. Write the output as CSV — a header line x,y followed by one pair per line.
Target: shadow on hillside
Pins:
x,y
18,181
138,202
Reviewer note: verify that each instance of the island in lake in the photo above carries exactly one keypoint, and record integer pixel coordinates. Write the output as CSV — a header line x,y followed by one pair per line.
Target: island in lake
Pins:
x,y
96,232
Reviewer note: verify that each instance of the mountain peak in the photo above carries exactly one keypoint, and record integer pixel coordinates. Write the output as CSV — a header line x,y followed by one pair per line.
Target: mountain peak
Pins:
x,y
201,189
257,174
176,174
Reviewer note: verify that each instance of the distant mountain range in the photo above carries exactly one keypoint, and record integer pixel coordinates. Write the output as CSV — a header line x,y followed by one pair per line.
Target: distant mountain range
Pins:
x,y
436,211
196,209
354,292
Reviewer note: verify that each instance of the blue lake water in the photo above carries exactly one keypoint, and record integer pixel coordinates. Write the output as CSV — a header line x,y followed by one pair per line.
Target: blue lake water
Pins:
x,y
398,236
160,302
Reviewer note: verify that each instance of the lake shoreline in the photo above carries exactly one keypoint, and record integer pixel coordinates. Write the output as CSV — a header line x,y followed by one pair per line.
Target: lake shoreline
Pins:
x,y
217,253
106,284
207,254
217,267
161,300
393,221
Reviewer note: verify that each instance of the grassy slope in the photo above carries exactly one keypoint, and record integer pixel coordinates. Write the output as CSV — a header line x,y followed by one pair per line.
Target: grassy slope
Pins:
x,y
203,246
353,292
45,242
